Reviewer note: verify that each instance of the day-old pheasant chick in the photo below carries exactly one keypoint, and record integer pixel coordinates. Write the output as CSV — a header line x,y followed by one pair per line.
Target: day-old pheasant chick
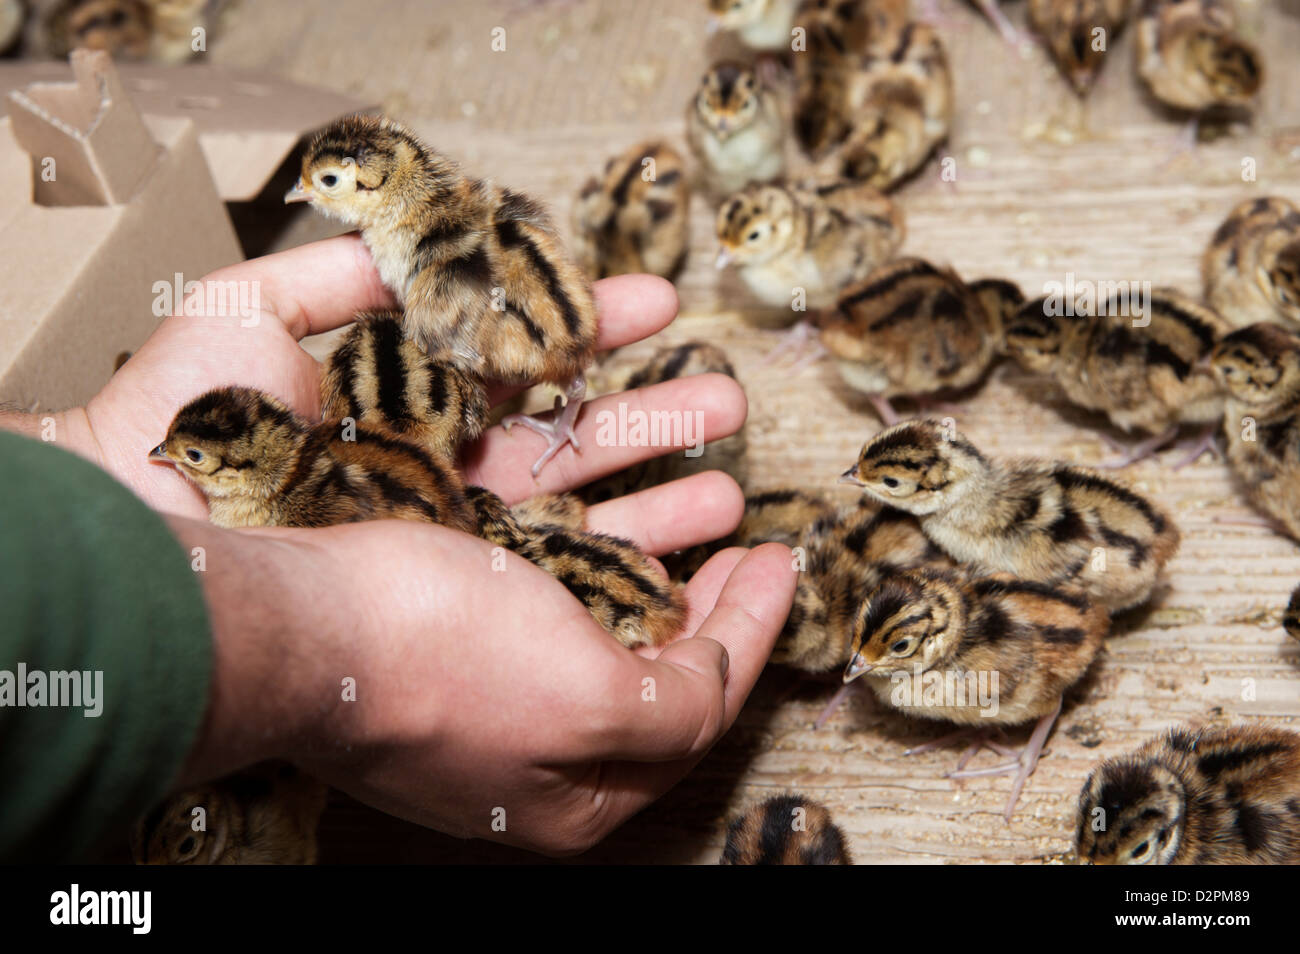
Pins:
x,y
1214,796
1145,372
1259,369
913,328
633,218
1078,34
626,595
785,830
736,129
162,31
1291,618
762,25
814,237
1013,646
478,268
1252,266
380,379
728,454
260,465
1190,56
1044,521
264,815
878,121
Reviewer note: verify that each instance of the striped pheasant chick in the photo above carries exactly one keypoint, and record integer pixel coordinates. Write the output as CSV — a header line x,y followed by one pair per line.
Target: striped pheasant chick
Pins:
x,y
1259,369
812,238
847,555
1189,55
1144,372
1291,618
633,217
1216,796
894,110
759,24
1043,521
785,830
1009,649
913,328
260,465
479,269
161,31
736,129
264,815
378,378
623,590
1252,266
1078,34
727,454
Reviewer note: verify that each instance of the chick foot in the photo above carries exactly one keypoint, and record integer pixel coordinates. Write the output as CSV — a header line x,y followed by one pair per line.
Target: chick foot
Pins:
x,y
1024,764
1017,40
802,343
1206,441
559,431
1139,451
836,701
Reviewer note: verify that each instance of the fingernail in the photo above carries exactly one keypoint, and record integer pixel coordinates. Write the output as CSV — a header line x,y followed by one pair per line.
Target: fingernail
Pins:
x,y
726,662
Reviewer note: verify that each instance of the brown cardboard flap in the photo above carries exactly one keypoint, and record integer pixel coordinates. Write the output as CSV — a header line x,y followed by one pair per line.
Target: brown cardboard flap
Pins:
x,y
89,130
248,123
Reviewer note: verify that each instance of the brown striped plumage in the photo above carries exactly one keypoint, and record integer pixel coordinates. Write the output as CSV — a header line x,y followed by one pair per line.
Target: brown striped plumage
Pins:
x,y
1191,58
1251,268
1259,369
913,328
259,464
478,268
736,129
785,830
633,218
877,116
975,650
264,815
625,593
378,378
1213,796
728,454
808,239
1079,34
1043,521
1149,377
162,31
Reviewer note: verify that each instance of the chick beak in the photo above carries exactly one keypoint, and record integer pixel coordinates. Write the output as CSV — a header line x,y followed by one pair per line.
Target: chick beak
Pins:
x,y
1203,364
850,476
159,452
856,667
297,194
723,259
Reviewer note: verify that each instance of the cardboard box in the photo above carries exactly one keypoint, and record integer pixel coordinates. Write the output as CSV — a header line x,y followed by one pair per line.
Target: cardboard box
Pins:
x,y
106,190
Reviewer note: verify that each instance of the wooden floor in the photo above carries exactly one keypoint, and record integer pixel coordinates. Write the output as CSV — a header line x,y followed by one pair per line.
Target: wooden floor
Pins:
x,y
1043,187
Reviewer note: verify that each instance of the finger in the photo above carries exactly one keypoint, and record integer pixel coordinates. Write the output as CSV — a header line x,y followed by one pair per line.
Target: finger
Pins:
x,y
631,307
676,706
701,408
313,288
675,515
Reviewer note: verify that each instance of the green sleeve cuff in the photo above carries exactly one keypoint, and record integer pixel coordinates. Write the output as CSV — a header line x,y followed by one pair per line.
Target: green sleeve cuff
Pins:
x,y
93,586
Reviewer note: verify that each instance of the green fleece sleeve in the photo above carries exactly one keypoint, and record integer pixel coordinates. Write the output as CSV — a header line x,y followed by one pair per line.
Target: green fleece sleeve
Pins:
x,y
105,655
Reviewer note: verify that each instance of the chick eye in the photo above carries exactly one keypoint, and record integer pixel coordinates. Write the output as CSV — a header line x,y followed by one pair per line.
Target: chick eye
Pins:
x,y
329,180
753,236
1141,849
187,845
889,481
899,646
195,456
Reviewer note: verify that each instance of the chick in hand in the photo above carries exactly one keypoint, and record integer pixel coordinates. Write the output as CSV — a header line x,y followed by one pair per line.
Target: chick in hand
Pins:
x,y
785,830
260,465
736,129
1035,640
806,240
479,269
633,218
1251,268
265,815
1217,796
913,328
1043,521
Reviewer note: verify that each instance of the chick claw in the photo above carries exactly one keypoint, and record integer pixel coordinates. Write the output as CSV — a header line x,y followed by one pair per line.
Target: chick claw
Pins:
x,y
558,431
